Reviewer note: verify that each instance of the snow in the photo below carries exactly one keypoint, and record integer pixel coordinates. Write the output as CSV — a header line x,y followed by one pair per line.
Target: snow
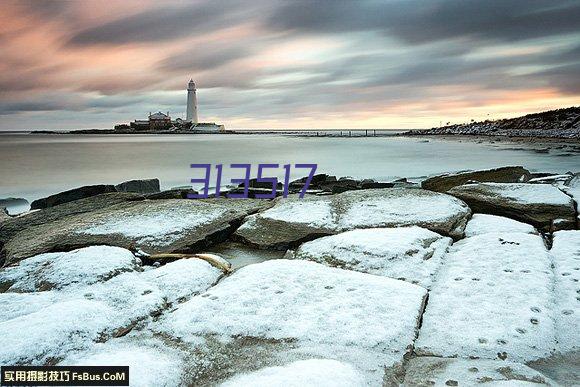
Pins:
x,y
316,213
393,207
78,267
566,254
160,224
438,371
484,224
151,362
405,209
410,254
303,373
492,298
366,320
59,321
527,193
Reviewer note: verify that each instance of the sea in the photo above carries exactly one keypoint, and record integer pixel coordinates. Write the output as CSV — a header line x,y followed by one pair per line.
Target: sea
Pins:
x,y
37,165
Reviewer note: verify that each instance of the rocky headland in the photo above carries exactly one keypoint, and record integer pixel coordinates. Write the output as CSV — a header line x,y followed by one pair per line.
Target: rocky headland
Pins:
x,y
553,124
466,278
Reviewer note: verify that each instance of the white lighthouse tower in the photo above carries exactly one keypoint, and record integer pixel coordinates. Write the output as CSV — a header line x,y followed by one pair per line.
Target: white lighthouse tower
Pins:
x,y
191,103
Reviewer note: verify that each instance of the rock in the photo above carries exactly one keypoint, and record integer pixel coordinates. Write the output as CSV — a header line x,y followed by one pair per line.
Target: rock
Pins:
x,y
292,221
50,215
550,179
314,182
75,268
151,362
4,215
437,371
492,299
254,183
484,224
312,372
566,254
295,310
410,254
177,193
536,204
154,226
58,322
146,186
71,195
443,183
252,192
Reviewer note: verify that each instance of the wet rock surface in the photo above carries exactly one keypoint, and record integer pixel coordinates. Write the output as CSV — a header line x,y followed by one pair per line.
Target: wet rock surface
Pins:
x,y
443,183
536,204
295,220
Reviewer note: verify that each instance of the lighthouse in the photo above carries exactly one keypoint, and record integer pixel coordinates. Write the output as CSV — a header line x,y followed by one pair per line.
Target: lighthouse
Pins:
x,y
191,103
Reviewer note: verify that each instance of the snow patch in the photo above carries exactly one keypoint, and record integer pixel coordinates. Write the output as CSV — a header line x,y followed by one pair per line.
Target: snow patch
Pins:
x,y
58,270
411,254
366,320
484,224
566,254
304,373
493,298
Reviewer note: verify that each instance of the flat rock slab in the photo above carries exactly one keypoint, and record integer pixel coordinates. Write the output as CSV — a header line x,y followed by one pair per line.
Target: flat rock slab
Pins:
x,y
280,311
437,371
75,268
443,183
150,225
410,254
293,220
485,224
536,204
493,298
58,322
566,254
151,362
14,225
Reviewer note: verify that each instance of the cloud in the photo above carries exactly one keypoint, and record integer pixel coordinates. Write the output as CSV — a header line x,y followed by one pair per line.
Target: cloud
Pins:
x,y
419,22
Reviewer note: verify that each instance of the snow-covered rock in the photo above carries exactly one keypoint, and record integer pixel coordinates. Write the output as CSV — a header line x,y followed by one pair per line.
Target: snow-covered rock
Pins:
x,y
285,310
302,373
151,362
566,254
485,224
150,225
493,298
79,267
444,182
294,220
59,321
437,371
410,254
536,204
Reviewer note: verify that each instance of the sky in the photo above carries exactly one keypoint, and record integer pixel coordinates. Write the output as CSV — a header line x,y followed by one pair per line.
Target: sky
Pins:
x,y
270,64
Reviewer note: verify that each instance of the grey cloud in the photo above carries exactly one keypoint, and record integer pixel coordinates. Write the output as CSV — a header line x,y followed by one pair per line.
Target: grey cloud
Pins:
x,y
207,58
159,24
418,22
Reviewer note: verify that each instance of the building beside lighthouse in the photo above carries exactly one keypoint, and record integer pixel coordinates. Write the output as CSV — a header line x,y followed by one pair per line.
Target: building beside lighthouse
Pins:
x,y
162,122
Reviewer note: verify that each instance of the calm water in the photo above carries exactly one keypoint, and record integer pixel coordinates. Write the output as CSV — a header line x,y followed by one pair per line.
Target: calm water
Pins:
x,y
33,166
